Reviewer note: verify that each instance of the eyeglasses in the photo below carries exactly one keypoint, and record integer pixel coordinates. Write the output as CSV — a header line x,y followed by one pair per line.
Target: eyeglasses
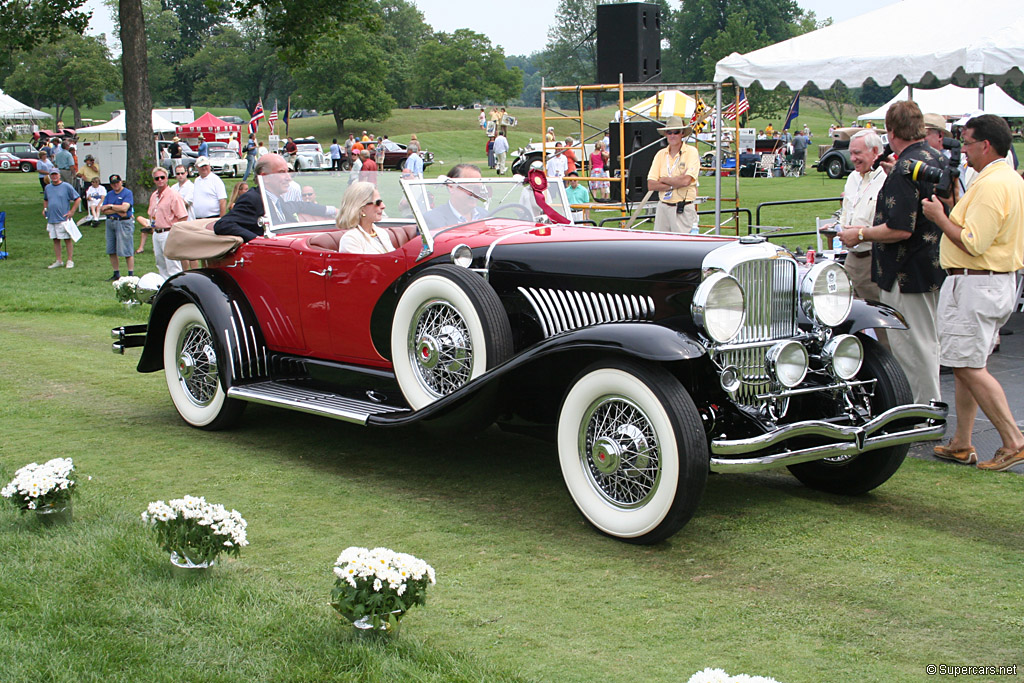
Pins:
x,y
159,177
308,194
180,173
375,202
964,143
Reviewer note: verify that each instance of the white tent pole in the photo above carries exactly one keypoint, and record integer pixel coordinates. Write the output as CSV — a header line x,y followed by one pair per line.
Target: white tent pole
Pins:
x,y
718,158
981,92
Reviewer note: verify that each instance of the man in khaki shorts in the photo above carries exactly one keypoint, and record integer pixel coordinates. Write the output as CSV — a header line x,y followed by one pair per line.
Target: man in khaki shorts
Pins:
x,y
981,247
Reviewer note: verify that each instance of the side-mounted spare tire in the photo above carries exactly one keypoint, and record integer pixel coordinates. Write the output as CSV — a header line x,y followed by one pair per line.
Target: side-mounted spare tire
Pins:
x,y
449,328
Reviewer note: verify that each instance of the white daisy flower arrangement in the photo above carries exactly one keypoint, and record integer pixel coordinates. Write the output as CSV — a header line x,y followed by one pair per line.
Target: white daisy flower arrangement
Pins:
x,y
379,585
36,487
719,676
124,289
195,529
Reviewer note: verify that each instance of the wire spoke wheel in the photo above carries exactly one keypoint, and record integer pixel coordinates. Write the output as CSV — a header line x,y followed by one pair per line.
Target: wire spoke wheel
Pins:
x,y
440,348
620,450
197,364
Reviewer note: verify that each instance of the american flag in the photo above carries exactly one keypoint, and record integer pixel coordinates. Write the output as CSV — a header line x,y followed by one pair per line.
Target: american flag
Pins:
x,y
732,111
257,114
272,118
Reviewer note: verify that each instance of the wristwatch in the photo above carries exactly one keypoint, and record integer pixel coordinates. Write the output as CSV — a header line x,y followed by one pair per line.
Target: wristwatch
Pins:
x,y
860,235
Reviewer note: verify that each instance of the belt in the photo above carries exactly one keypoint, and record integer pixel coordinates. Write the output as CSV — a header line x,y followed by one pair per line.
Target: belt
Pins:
x,y
972,271
158,230
860,254
676,203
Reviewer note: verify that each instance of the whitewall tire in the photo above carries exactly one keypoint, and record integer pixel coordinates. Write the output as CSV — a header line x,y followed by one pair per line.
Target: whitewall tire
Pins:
x,y
632,450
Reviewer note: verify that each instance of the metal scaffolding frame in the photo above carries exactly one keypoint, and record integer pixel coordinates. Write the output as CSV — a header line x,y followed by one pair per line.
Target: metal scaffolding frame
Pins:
x,y
622,88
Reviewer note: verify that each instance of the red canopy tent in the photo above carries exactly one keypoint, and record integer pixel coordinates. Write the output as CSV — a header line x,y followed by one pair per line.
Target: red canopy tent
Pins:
x,y
208,127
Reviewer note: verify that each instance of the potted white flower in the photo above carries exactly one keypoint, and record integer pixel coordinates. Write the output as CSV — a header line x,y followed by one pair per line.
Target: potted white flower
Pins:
x,y
375,588
45,489
195,532
125,289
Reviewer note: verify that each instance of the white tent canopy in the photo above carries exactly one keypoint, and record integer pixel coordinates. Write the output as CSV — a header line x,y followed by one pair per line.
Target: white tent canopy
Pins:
x,y
913,38
953,101
118,125
12,109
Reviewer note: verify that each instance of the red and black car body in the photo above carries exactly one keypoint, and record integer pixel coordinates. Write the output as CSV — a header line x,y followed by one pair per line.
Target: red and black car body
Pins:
x,y
651,359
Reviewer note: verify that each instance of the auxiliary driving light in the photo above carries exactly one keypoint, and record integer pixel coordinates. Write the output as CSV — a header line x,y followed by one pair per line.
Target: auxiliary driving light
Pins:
x,y
787,361
843,355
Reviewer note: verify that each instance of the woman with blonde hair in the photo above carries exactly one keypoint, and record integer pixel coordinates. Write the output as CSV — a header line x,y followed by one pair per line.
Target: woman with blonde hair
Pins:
x,y
360,208
240,189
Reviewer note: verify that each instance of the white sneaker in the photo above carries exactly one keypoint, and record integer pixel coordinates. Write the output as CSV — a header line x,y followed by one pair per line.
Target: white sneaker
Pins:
x,y
70,264
55,264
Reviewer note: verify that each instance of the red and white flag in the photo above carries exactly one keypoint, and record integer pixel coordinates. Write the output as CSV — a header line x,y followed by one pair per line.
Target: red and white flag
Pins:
x,y
257,114
732,111
272,118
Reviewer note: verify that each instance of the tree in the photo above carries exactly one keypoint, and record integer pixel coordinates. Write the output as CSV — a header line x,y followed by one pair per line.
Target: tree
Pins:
x,y
73,71
26,23
341,74
239,64
138,104
462,67
292,24
402,32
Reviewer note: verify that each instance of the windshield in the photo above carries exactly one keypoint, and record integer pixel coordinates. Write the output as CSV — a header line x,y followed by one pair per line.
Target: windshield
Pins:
x,y
433,203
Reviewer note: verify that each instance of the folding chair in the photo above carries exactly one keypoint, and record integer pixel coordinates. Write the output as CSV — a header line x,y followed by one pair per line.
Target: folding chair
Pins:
x,y
766,166
820,223
3,235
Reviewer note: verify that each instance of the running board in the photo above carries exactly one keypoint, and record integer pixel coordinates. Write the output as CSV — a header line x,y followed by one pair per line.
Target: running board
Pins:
x,y
311,401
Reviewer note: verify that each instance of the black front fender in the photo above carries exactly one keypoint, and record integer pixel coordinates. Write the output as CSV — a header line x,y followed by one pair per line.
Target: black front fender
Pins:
x,y
867,314
232,323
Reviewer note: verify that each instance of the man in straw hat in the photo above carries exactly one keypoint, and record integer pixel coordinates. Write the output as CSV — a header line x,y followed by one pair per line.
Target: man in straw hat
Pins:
x,y
673,176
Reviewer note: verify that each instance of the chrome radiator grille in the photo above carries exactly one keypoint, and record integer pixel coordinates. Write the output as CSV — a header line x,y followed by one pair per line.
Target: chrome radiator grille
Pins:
x,y
769,286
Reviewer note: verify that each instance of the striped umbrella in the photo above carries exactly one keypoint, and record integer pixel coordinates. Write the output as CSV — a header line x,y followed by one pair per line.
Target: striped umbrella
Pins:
x,y
664,104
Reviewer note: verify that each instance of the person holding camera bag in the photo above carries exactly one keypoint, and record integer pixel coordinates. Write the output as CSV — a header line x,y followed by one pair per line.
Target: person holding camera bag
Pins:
x,y
981,248
905,250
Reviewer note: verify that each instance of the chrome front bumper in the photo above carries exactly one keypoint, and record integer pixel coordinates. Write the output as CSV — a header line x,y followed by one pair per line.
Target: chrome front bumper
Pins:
x,y
128,337
838,440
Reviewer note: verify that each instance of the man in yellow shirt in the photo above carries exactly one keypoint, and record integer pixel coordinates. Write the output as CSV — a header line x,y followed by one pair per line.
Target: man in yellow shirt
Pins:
x,y
673,176
981,247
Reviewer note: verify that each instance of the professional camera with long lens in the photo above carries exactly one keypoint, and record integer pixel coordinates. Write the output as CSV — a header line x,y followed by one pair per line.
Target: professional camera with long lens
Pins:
x,y
929,178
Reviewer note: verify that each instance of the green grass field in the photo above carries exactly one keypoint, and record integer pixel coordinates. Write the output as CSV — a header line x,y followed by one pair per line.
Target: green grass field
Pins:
x,y
769,577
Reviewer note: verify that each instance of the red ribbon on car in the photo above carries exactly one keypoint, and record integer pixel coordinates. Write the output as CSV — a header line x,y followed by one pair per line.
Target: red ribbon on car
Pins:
x,y
539,183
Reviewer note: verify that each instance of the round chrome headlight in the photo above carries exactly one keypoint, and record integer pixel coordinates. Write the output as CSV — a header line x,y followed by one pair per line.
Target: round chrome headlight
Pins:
x,y
147,287
826,293
462,255
718,307
787,361
843,355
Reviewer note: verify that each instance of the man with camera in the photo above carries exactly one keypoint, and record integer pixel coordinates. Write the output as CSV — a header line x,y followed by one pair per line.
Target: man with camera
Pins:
x,y
981,247
905,248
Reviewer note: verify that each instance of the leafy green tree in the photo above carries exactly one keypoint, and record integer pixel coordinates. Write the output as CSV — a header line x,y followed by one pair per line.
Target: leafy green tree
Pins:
x,y
462,67
292,24
72,71
239,64
342,75
26,23
402,31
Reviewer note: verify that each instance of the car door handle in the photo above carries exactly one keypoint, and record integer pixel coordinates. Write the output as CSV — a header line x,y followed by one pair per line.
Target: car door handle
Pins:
x,y
322,273
237,264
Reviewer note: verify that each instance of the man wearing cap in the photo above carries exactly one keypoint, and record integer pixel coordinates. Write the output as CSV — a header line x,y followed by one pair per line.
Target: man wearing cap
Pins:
x,y
166,207
117,207
673,176
981,246
59,206
209,196
244,218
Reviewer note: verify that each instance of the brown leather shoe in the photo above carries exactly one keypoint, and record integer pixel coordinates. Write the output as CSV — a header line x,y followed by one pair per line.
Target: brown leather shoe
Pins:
x,y
1004,459
965,456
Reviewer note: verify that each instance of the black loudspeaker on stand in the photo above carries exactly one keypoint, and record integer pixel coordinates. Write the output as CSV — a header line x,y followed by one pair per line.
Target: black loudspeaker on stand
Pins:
x,y
637,135
629,42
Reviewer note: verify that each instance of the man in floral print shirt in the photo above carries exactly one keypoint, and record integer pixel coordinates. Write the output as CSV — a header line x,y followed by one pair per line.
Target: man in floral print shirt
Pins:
x,y
905,251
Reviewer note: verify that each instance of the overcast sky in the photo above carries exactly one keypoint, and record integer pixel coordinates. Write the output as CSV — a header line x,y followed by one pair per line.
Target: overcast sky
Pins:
x,y
521,27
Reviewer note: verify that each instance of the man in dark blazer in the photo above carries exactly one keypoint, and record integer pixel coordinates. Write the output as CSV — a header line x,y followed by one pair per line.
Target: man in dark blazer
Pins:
x,y
463,204
244,218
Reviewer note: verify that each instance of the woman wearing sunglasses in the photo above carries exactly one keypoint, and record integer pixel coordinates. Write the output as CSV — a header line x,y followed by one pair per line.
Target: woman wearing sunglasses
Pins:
x,y
361,207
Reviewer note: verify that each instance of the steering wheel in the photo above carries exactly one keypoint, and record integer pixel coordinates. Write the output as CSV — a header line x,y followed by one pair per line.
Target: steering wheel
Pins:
x,y
524,213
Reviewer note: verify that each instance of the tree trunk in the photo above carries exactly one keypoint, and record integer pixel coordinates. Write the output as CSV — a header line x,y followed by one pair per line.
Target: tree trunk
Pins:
x,y
339,121
138,102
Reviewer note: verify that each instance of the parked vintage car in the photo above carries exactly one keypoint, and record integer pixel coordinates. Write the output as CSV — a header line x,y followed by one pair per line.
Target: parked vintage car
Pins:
x,y
188,156
310,156
223,161
12,162
27,156
835,161
651,359
395,154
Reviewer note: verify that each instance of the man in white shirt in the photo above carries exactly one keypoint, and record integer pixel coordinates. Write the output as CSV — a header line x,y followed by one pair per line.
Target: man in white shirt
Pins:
x,y
500,152
185,188
858,210
209,197
558,165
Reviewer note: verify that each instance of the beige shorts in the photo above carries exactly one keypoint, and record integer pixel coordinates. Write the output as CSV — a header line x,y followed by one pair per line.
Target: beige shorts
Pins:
x,y
971,310
58,231
668,219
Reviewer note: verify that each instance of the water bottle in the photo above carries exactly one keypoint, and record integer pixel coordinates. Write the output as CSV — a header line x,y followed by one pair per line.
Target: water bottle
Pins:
x,y
837,244
695,230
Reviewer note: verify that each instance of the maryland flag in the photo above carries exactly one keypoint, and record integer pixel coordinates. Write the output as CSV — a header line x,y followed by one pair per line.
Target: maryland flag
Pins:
x,y
700,116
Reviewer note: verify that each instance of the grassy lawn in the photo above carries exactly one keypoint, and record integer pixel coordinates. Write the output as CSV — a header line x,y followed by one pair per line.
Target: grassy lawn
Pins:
x,y
769,577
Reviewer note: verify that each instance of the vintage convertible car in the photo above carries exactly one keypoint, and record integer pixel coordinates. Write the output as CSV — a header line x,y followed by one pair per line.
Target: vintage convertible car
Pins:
x,y
650,359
